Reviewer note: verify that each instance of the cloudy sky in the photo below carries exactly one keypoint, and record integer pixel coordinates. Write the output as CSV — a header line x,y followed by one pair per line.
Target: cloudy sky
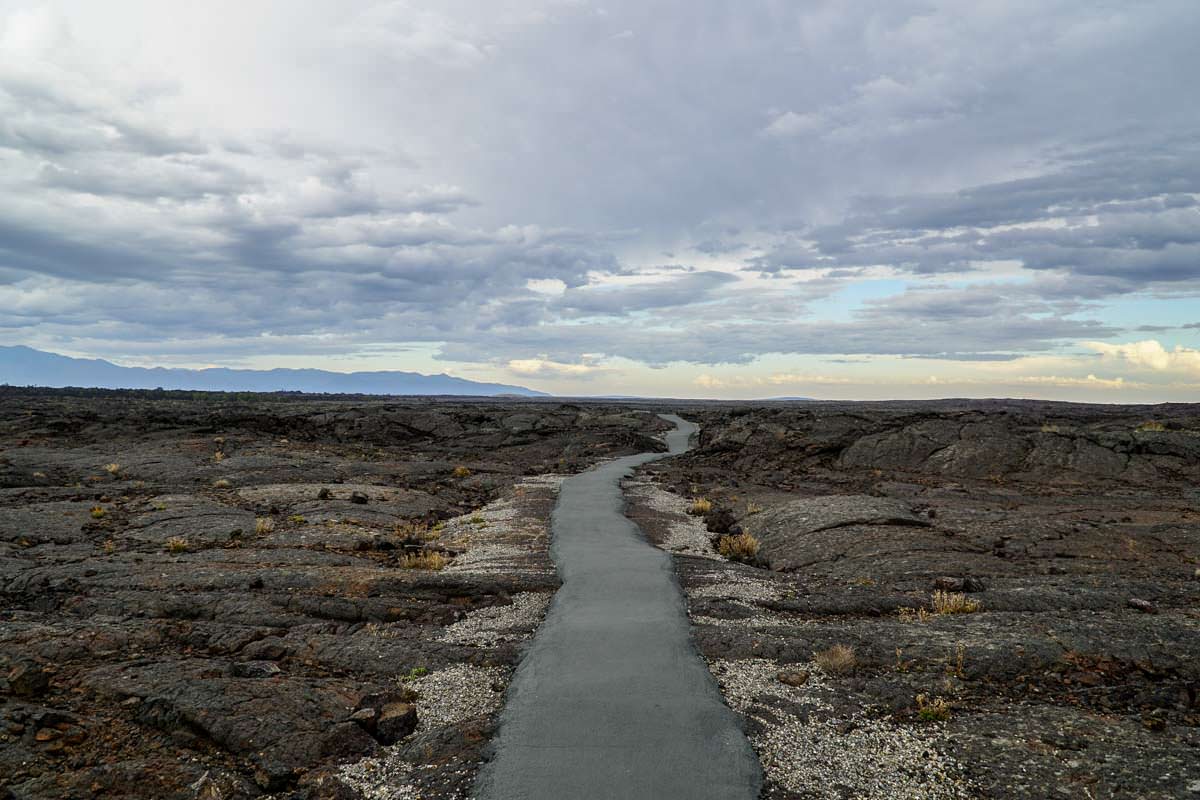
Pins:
x,y
686,197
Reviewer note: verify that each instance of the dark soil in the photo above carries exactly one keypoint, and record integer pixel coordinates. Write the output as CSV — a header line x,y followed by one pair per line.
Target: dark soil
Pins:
x,y
195,619
1075,528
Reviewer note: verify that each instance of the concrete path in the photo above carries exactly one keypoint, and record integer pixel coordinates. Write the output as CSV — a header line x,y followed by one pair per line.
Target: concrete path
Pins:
x,y
612,700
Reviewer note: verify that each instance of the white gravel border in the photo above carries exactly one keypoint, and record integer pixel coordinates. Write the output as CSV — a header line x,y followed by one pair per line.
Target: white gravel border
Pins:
x,y
488,627
873,759
686,534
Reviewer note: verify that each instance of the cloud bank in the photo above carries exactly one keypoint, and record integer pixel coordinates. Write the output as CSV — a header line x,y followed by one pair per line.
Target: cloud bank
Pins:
x,y
562,190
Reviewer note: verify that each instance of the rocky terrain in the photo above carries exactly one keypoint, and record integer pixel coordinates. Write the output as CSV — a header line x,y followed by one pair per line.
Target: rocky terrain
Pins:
x,y
943,600
227,596
237,596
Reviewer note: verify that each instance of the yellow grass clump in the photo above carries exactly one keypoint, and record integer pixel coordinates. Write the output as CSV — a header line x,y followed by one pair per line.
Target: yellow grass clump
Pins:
x,y
426,559
836,660
953,603
743,547
932,710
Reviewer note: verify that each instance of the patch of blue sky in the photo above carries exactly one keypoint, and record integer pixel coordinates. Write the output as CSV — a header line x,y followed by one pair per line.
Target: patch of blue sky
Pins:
x,y
1137,311
842,304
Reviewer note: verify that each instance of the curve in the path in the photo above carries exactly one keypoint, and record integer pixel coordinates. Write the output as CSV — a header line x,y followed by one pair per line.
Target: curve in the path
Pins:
x,y
612,700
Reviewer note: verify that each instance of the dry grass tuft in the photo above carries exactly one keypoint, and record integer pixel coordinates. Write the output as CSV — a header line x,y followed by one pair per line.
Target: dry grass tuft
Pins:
x,y
914,615
426,559
700,506
113,469
222,483
1151,425
218,456
98,512
743,547
110,546
176,544
953,603
419,531
264,525
836,660
462,472
935,710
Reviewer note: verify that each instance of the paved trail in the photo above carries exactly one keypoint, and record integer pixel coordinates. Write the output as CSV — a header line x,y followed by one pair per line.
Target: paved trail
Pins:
x,y
612,700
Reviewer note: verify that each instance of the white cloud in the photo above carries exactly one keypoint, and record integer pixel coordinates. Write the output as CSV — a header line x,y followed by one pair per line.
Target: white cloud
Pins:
x,y
1150,354
708,381
1089,381
542,367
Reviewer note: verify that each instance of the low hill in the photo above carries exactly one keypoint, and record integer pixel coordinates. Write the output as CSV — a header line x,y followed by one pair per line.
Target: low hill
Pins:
x,y
24,366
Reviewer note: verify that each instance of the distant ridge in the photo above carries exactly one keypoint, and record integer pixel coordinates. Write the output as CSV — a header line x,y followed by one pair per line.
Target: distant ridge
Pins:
x,y
24,366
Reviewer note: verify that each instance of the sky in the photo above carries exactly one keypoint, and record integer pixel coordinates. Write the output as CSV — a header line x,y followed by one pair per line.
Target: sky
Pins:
x,y
689,198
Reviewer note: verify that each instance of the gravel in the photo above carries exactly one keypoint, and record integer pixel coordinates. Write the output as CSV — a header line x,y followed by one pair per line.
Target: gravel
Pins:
x,y
835,752
726,585
685,534
489,627
446,697
458,693
498,538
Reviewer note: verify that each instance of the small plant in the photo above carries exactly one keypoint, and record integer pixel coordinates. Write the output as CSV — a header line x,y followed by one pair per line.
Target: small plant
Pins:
x,y
418,531
960,657
1048,428
426,559
935,710
264,525
222,483
462,472
383,630
39,475
477,519
753,508
176,544
914,614
901,664
296,519
414,673
743,547
1151,425
700,506
953,603
160,506
218,456
110,547
98,512
113,469
836,660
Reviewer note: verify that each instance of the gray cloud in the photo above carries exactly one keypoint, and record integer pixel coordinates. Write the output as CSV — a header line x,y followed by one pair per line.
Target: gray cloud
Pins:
x,y
402,172
677,291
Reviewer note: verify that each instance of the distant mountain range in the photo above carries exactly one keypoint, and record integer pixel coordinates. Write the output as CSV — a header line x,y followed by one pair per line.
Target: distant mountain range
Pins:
x,y
24,366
